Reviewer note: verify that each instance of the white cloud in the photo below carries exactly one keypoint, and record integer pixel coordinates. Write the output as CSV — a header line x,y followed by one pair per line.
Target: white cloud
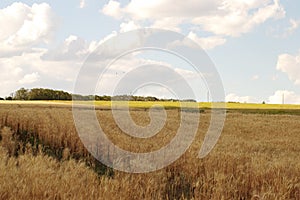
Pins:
x,y
294,25
289,97
82,4
130,65
25,26
274,77
283,31
242,99
30,78
128,26
94,44
220,17
169,23
207,43
237,17
73,48
130,78
29,68
255,77
112,8
187,74
10,72
52,70
193,41
290,64
156,91
157,9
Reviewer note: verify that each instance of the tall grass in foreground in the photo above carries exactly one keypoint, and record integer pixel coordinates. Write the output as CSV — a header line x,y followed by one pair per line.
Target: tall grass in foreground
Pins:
x,y
257,157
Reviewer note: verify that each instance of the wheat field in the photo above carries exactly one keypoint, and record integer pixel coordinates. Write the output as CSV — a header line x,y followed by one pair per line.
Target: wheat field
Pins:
x,y
42,157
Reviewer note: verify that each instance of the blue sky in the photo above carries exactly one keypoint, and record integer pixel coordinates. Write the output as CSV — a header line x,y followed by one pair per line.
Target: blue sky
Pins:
x,y
254,44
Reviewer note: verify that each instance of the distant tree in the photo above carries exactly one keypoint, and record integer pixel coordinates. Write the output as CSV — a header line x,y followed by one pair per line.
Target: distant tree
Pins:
x,y
21,94
263,102
41,94
1,99
79,97
9,98
106,98
188,100
102,98
149,98
50,94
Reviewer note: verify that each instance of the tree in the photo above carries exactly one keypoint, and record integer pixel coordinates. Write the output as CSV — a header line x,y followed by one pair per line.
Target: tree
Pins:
x,y
48,94
21,94
9,98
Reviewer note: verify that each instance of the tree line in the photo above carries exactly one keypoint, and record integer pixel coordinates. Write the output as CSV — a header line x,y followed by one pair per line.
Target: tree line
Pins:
x,y
41,94
50,94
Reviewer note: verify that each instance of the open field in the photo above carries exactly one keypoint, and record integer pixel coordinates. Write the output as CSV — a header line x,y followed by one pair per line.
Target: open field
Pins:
x,y
42,157
167,104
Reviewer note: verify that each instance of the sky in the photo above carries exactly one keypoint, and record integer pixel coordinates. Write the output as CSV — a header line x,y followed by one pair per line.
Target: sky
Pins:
x,y
253,44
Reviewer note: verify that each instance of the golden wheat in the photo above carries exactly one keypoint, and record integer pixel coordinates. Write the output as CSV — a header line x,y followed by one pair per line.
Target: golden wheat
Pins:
x,y
257,157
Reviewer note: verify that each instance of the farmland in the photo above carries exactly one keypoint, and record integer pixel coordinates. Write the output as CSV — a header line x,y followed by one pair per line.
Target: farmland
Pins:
x,y
167,104
256,157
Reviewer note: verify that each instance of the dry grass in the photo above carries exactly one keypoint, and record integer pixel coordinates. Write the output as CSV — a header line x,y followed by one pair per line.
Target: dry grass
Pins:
x,y
257,157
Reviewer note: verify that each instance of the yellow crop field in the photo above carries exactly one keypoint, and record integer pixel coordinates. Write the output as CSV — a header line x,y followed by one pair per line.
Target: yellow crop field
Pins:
x,y
42,156
166,104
